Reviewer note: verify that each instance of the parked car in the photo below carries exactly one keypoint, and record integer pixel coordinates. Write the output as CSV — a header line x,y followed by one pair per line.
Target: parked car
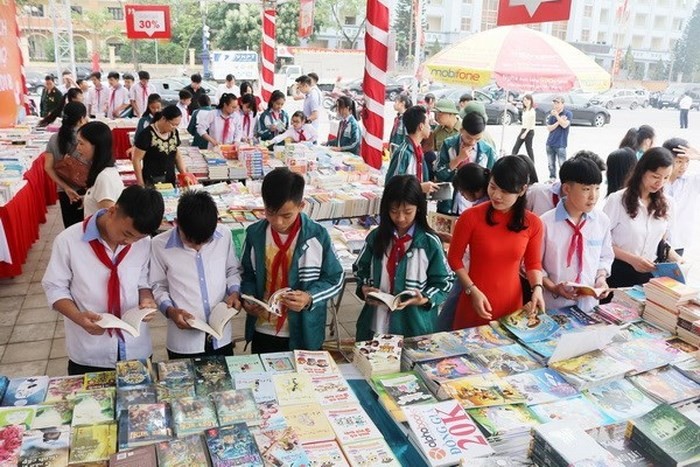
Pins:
x,y
168,88
494,109
645,95
673,94
584,112
391,92
618,99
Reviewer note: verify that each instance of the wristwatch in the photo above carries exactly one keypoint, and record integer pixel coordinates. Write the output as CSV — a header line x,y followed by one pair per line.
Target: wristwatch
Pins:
x,y
468,289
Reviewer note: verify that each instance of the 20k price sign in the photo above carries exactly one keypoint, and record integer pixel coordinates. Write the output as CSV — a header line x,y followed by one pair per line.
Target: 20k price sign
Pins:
x,y
147,21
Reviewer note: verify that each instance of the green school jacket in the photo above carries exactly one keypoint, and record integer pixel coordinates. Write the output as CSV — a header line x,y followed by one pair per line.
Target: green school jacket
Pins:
x,y
315,269
351,138
197,139
424,267
403,162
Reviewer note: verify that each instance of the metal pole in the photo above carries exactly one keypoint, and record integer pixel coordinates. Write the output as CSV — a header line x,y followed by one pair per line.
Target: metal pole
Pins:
x,y
205,40
155,42
418,51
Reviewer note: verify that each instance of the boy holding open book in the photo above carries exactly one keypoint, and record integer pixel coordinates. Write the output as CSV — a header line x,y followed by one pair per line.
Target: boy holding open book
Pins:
x,y
194,269
577,243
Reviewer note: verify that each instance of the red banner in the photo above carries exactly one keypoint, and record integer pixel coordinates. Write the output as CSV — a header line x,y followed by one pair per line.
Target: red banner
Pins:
x,y
147,21
532,11
306,18
11,81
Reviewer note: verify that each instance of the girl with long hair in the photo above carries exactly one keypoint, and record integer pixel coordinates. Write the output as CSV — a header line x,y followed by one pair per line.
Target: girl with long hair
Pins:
x,y
639,139
620,164
274,120
153,106
104,185
222,125
248,117
527,129
349,134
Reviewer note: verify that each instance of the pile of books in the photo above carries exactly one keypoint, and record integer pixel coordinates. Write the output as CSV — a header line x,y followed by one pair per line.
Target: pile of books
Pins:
x,y
254,159
379,356
633,297
689,322
664,295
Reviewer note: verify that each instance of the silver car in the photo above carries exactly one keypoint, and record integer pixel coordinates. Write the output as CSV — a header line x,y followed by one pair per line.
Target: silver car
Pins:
x,y
618,99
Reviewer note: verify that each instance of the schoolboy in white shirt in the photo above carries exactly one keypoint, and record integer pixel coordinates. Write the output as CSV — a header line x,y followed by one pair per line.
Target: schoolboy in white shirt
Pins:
x,y
577,242
119,100
684,188
101,266
194,268
138,94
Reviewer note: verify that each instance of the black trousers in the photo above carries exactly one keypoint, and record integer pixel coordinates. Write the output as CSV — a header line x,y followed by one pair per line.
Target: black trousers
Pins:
x,y
209,351
528,144
263,343
684,118
624,275
71,213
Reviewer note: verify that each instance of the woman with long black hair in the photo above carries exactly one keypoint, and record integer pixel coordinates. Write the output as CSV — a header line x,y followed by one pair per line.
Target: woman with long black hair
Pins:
x,y
104,185
72,95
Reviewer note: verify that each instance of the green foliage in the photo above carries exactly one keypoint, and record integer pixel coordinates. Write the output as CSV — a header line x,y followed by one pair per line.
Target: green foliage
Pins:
x,y
332,14
288,24
402,27
659,72
686,53
235,27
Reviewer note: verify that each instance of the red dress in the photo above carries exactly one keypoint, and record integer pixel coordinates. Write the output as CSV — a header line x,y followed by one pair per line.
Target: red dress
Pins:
x,y
495,257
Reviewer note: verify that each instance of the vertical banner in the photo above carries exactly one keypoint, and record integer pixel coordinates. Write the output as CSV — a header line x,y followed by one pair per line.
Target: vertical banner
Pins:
x,y
268,52
12,83
306,18
376,57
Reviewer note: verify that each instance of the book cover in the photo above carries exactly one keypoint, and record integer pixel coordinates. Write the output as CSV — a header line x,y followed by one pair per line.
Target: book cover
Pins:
x,y
11,437
670,270
612,439
64,387
689,368
54,414
314,363
387,402
449,368
148,423
211,375
23,416
294,388
136,395
545,349
530,328
541,386
192,415
445,433
618,313
25,391
93,443
483,391
405,388
332,390
179,371
270,415
503,419
432,347
145,456
233,445
326,454
576,411
642,354
167,392
666,385
568,444
235,406
100,380
183,452
506,360
620,400
280,447
482,337
93,407
644,330
47,447
309,423
572,318
244,364
352,424
591,367
371,454
278,362
132,373
260,383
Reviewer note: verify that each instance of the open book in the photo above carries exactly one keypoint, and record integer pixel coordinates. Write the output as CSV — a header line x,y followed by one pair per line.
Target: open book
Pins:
x,y
672,270
220,315
392,301
129,322
274,303
587,290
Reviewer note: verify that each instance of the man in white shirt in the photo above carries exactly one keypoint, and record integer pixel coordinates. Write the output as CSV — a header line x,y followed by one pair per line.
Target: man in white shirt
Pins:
x,y
118,102
312,100
229,87
193,269
684,105
138,94
98,97
67,82
684,189
183,104
100,266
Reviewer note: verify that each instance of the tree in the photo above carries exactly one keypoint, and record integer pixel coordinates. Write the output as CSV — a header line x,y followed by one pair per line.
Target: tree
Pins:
x,y
660,71
235,27
333,14
403,26
686,53
288,24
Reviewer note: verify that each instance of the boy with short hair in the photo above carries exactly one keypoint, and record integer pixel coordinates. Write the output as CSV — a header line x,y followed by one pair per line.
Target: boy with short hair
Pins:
x,y
193,268
287,249
183,104
138,93
577,242
101,266
684,188
97,97
398,130
118,102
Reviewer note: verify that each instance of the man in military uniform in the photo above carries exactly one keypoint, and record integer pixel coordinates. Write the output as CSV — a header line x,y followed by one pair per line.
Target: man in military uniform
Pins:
x,y
50,97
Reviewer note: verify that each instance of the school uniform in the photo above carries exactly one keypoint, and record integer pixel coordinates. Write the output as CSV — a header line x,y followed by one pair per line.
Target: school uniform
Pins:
x,y
76,273
481,154
271,124
139,94
97,100
185,119
398,132
543,197
197,139
313,268
575,252
685,192
195,281
224,129
421,265
305,134
248,122
118,96
639,236
407,159
144,121
349,136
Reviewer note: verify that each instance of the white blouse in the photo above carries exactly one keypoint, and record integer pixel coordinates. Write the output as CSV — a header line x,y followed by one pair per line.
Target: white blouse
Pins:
x,y
108,186
529,119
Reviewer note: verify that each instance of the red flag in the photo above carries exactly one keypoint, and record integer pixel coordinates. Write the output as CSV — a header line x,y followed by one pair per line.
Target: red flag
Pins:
x,y
532,11
306,18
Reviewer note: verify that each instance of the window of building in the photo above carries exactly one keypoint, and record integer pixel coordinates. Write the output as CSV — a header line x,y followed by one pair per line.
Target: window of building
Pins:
x,y
640,20
466,24
434,23
559,30
637,42
601,39
657,43
585,35
659,23
588,11
116,13
350,20
604,15
76,10
489,13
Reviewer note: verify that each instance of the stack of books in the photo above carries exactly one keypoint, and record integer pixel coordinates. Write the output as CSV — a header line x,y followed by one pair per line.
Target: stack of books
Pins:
x,y
380,356
507,427
689,322
618,313
591,369
633,297
562,444
664,296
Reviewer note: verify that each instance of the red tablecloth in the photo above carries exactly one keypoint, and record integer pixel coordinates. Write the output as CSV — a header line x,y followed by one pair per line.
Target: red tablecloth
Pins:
x,y
120,142
22,216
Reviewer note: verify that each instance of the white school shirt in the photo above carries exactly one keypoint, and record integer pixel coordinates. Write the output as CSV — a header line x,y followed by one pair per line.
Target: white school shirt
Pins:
x,y
195,281
140,96
97,101
212,123
597,253
108,186
307,128
639,236
685,192
541,196
185,120
223,89
117,97
248,131
75,273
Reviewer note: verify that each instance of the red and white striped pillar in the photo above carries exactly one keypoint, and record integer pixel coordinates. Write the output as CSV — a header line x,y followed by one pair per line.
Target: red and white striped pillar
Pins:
x,y
373,86
269,39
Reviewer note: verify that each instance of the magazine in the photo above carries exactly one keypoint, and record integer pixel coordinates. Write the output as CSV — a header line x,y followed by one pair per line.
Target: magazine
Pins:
x,y
620,400
529,328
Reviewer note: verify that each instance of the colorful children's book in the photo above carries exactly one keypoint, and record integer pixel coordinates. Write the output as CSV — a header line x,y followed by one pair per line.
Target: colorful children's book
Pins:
x,y
572,318
314,363
483,391
672,270
11,437
431,347
63,387
54,414
577,411
145,456
690,368
437,372
325,454
445,433
212,375
93,407
176,371
541,386
280,447
260,383
370,454
100,380
47,447
530,328
504,419
167,392
23,416
192,415
590,369
271,415
379,356
183,452
352,424
137,395
244,364
147,424
618,313
93,443
294,388
644,330
332,391
131,373
405,388
233,445
309,423
482,337
26,391
642,354
505,360
620,400
278,362
666,385
235,406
